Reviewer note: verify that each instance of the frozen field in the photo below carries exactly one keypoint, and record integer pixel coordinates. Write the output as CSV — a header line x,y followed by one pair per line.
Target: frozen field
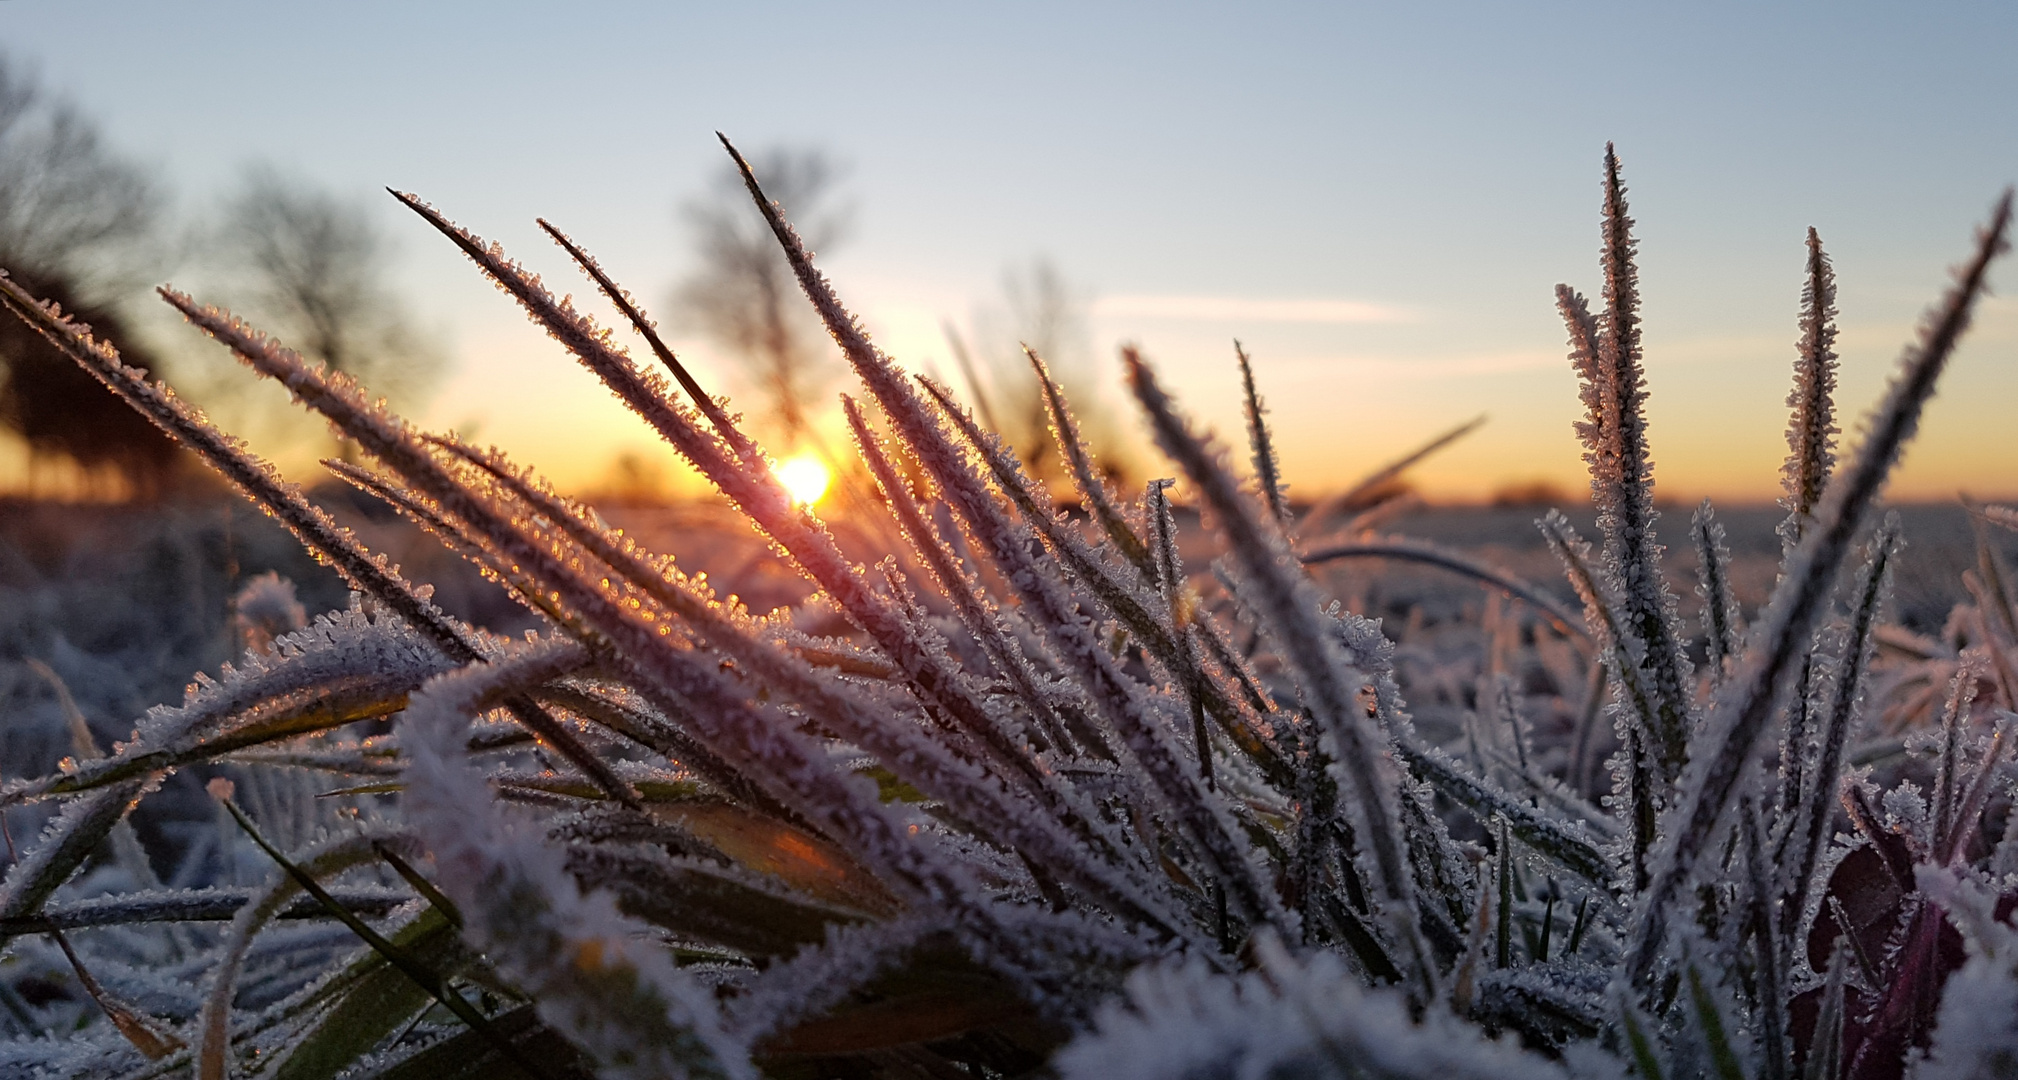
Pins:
x,y
122,603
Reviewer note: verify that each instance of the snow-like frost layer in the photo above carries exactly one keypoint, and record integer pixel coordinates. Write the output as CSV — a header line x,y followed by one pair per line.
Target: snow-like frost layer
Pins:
x,y
1315,1019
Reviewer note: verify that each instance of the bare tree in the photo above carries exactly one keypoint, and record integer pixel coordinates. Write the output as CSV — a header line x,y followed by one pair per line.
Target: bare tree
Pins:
x,y
77,226
68,206
1043,312
311,268
743,296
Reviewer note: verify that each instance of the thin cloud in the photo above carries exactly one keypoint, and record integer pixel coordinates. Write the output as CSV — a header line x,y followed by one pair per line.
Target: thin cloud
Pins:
x,y
1249,310
1418,368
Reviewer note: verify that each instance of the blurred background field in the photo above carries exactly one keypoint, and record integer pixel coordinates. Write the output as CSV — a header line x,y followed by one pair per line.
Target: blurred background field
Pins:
x,y
120,602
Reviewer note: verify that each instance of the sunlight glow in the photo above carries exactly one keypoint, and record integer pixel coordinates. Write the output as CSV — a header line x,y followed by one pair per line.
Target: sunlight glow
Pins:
x,y
805,477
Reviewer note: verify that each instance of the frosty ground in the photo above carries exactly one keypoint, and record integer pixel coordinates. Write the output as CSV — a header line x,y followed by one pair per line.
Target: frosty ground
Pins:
x,y
122,602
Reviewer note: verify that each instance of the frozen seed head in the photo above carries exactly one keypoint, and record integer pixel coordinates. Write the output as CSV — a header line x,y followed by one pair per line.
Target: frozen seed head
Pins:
x,y
266,608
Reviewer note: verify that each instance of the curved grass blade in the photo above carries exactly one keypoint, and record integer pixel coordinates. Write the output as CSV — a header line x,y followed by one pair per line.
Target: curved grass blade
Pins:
x,y
148,1035
214,904
1353,497
66,843
1407,549
621,1000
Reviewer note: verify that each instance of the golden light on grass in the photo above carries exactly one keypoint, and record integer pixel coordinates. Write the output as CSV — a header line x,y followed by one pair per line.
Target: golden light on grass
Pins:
x,y
806,477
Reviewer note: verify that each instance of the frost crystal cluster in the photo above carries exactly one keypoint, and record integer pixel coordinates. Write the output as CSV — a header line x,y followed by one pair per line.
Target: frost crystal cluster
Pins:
x,y
1031,797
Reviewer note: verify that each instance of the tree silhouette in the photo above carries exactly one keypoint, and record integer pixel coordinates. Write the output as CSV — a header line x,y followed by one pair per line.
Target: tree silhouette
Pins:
x,y
60,410
743,296
311,268
73,219
1043,312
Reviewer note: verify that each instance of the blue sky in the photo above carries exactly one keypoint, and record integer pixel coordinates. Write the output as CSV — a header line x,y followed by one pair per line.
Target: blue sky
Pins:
x,y
1378,200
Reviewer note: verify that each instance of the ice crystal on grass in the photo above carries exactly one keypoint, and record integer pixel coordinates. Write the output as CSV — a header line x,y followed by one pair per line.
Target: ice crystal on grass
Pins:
x,y
1025,793
595,974
1286,1018
1616,445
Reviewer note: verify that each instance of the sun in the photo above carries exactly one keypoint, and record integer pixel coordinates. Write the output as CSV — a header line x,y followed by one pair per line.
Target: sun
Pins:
x,y
805,477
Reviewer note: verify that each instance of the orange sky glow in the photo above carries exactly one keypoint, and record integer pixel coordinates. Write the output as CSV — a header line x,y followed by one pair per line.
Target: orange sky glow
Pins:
x,y
1376,199
1716,406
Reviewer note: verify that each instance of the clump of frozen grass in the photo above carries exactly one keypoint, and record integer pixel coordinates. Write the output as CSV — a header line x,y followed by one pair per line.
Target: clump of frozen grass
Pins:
x,y
264,609
1035,803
